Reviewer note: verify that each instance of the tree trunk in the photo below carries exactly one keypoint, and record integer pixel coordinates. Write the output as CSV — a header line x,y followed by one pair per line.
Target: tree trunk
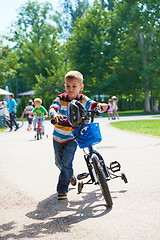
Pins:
x,y
147,101
155,105
147,107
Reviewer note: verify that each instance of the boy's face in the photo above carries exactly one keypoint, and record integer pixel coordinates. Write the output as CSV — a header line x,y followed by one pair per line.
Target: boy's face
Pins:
x,y
73,87
37,104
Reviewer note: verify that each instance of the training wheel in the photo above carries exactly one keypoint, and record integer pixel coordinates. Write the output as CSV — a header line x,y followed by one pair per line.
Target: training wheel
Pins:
x,y
80,186
123,176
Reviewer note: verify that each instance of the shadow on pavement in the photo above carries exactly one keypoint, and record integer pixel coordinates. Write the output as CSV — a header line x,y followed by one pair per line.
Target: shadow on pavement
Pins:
x,y
52,216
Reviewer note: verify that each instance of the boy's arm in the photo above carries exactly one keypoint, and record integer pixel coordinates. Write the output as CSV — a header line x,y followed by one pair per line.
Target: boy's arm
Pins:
x,y
54,108
104,106
91,104
32,114
22,116
3,107
46,114
53,111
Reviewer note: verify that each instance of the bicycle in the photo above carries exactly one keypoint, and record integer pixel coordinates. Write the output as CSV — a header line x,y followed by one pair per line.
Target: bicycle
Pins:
x,y
87,135
39,128
7,122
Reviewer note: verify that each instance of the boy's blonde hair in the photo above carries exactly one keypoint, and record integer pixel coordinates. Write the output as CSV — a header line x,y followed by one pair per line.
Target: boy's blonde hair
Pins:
x,y
74,75
38,100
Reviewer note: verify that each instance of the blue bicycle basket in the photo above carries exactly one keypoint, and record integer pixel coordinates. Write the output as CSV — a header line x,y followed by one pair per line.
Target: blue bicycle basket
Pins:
x,y
88,134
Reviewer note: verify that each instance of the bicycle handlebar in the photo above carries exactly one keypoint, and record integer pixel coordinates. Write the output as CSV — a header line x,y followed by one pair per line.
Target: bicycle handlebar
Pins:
x,y
89,114
53,121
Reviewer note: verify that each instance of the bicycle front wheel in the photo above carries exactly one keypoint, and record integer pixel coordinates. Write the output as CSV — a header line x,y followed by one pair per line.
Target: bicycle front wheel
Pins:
x,y
102,180
19,123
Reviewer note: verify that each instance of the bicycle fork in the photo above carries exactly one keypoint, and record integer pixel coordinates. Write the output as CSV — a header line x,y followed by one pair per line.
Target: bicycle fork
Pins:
x,y
88,159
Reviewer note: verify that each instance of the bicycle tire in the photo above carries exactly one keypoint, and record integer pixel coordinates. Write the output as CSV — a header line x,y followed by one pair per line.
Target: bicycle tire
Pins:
x,y
6,122
37,135
102,180
19,123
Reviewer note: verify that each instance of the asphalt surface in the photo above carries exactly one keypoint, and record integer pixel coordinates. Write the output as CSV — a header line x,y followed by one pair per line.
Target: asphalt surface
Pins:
x,y
28,205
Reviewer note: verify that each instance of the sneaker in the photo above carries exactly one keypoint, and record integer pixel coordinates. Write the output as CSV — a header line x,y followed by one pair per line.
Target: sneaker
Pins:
x,y
73,181
62,196
16,128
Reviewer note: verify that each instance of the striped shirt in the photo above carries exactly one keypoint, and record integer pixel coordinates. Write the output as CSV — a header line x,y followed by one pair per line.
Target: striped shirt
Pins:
x,y
63,131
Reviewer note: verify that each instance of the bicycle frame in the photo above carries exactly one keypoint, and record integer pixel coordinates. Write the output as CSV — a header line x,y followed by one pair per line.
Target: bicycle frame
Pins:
x,y
98,171
88,158
39,127
39,130
6,121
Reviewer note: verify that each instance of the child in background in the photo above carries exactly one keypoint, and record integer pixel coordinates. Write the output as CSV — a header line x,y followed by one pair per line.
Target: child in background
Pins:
x,y
28,109
115,108
38,112
64,145
3,110
110,110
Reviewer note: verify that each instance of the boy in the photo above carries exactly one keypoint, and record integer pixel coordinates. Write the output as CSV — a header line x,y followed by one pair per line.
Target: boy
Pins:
x,y
64,150
39,112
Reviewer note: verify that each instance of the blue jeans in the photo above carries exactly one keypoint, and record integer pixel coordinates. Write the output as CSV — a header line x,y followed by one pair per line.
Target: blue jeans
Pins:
x,y
64,155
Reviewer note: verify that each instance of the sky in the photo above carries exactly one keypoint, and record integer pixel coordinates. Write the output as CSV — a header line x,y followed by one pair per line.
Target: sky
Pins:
x,y
8,11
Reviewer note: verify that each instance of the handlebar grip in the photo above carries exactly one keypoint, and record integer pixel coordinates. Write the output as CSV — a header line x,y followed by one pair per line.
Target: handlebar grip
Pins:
x,y
97,110
53,121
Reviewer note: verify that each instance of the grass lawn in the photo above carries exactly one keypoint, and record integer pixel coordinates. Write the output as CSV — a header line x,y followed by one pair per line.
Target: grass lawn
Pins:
x,y
151,127
133,113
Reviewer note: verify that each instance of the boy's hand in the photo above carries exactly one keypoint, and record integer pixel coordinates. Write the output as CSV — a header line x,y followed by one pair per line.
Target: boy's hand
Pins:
x,y
57,117
103,106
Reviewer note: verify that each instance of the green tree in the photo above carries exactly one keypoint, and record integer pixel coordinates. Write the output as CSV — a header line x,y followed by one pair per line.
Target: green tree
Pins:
x,y
86,48
109,4
32,19
71,11
8,65
35,38
138,36
118,50
50,85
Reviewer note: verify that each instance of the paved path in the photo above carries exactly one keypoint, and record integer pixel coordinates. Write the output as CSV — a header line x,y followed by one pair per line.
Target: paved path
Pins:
x,y
29,209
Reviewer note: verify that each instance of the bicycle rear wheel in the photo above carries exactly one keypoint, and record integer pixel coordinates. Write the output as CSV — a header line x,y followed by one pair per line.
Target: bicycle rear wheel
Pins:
x,y
102,180
19,123
37,135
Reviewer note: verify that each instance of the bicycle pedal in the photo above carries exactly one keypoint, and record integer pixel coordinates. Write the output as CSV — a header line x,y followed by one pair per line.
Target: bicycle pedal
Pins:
x,y
115,166
82,176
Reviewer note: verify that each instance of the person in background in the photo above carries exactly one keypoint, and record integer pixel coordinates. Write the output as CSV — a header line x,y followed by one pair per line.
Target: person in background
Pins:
x,y
28,109
3,109
110,110
63,143
11,105
115,108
